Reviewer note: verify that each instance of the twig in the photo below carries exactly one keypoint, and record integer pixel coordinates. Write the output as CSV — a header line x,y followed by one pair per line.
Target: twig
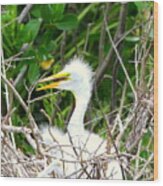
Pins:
x,y
113,98
47,116
23,58
132,29
9,23
127,123
120,111
43,97
121,62
7,94
141,172
62,48
137,159
102,68
20,75
87,37
110,137
122,99
143,67
15,93
103,34
13,57
8,115
78,155
118,38
24,13
74,173
32,123
136,67
23,130
52,167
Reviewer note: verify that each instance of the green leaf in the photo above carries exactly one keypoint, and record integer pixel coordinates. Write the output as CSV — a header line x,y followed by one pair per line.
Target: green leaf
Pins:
x,y
57,10
151,34
132,9
146,138
10,14
30,30
46,13
132,39
36,11
69,22
144,154
52,12
33,72
143,5
140,5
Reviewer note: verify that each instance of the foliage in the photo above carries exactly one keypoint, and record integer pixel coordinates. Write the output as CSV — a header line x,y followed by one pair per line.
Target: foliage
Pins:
x,y
52,34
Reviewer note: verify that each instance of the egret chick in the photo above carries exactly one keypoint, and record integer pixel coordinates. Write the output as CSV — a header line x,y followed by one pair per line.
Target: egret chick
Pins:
x,y
80,148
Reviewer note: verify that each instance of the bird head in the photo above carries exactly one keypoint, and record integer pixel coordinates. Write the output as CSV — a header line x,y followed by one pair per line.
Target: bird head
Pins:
x,y
76,77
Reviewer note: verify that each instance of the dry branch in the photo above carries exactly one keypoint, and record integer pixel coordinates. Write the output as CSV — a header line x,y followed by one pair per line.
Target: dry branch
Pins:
x,y
32,123
7,95
24,13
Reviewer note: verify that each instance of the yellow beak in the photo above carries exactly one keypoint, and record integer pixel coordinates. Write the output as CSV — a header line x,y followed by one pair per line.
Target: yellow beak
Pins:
x,y
56,80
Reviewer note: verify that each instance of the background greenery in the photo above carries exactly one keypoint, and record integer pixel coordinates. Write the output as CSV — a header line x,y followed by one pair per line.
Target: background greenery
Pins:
x,y
44,41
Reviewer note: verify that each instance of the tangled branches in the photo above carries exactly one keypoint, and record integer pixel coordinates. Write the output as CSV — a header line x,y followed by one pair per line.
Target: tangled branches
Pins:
x,y
122,58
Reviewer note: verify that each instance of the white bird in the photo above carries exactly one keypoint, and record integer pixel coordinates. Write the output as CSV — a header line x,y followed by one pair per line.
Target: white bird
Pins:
x,y
79,153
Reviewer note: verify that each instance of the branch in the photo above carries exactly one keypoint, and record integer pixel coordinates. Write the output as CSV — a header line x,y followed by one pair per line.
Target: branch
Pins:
x,y
20,75
23,130
110,137
144,168
102,68
103,34
87,37
17,95
32,123
62,48
7,95
24,13
43,97
121,63
49,169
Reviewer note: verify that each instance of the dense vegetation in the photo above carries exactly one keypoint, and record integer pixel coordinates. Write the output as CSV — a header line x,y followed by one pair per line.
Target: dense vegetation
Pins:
x,y
116,40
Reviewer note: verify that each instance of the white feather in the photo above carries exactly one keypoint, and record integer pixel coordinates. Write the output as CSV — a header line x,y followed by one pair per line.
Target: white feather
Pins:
x,y
89,145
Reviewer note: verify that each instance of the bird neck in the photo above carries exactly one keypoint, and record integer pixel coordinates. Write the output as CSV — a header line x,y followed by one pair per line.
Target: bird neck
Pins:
x,y
76,123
